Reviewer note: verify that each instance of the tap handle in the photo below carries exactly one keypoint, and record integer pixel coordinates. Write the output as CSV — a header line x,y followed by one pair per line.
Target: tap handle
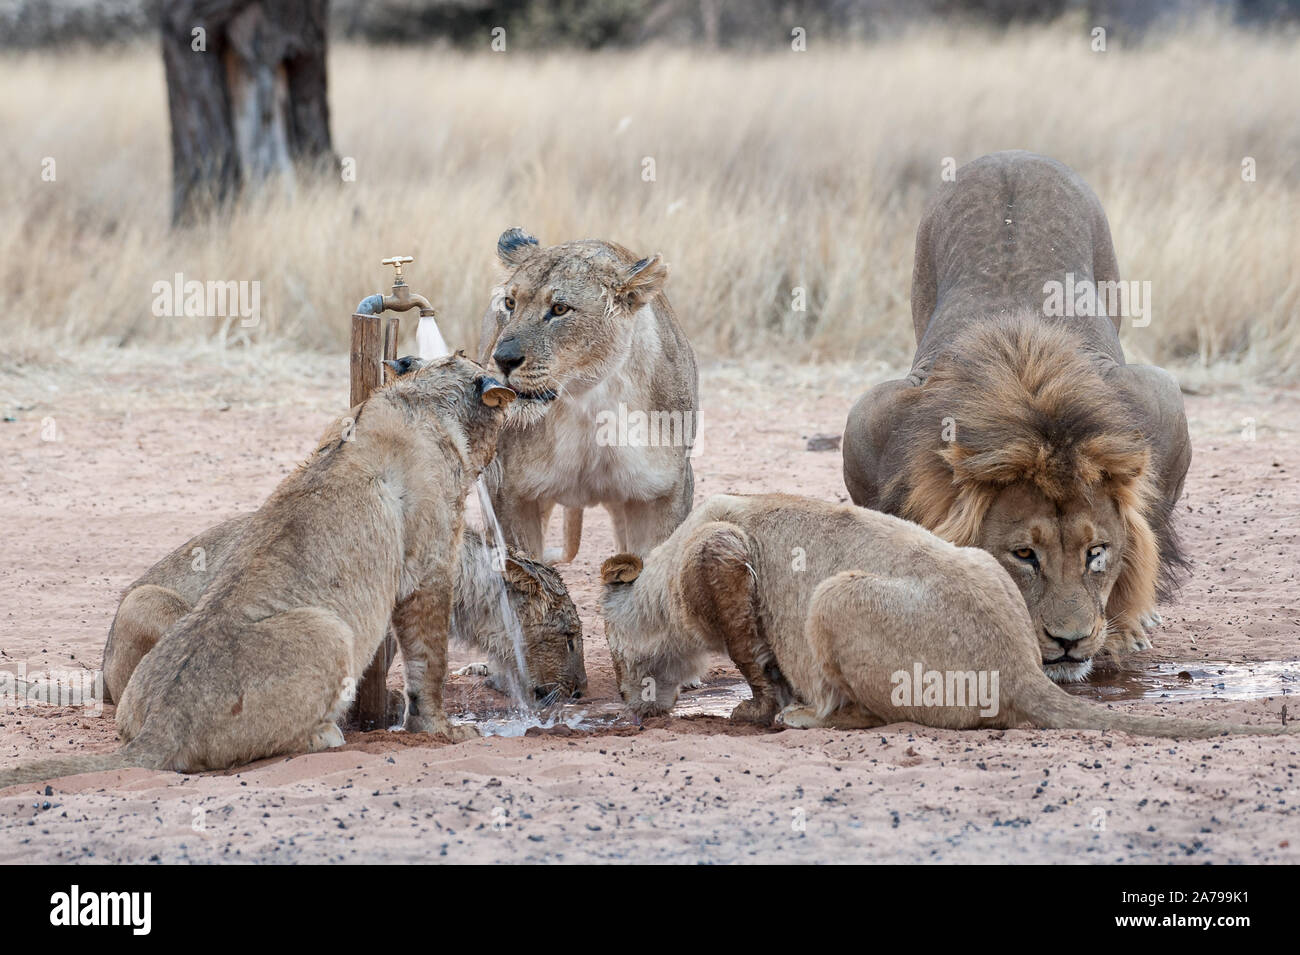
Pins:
x,y
397,261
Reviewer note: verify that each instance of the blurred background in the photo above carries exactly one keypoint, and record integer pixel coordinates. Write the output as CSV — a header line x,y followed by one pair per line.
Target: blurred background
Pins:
x,y
777,152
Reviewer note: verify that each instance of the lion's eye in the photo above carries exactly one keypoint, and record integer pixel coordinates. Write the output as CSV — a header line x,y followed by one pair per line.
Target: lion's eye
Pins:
x,y
559,308
1026,554
509,303
1097,557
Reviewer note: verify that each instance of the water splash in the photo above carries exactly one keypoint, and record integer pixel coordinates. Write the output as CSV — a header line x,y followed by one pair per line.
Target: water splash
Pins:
x,y
718,698
496,552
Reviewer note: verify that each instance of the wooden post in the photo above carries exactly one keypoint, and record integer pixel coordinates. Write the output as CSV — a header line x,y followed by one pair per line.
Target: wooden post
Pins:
x,y
374,338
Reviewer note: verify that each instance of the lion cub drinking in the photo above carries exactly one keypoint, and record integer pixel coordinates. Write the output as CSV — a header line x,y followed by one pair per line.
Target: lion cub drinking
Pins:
x,y
552,628
367,530
831,612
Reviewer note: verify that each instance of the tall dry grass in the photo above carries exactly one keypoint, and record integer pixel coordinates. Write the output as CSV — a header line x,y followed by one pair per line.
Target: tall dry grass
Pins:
x,y
773,171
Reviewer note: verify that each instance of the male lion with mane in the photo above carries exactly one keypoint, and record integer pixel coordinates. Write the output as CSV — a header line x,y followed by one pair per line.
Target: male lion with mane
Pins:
x,y
1023,433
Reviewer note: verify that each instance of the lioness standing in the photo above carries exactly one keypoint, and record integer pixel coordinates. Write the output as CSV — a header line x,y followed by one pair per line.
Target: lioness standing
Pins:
x,y
840,616
584,334
367,530
1022,431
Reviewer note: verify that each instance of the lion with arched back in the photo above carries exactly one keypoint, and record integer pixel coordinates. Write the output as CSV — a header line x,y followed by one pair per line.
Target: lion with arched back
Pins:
x,y
1023,431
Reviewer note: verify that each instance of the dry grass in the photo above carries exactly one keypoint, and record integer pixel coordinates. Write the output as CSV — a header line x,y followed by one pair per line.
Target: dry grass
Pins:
x,y
773,171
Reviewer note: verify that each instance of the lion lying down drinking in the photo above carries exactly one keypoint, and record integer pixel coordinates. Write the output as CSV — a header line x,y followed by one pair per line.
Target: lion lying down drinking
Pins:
x,y
843,617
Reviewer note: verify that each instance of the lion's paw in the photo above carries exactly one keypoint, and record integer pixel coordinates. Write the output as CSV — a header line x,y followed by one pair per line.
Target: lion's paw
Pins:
x,y
798,716
1150,621
754,711
460,732
1128,639
325,736
441,726
474,669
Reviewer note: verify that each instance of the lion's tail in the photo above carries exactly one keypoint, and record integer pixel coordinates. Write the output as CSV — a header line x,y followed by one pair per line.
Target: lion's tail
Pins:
x,y
138,752
1047,706
572,538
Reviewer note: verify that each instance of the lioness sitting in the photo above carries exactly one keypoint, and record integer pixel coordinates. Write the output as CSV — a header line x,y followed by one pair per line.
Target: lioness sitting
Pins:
x,y
1023,431
584,334
840,616
552,629
366,531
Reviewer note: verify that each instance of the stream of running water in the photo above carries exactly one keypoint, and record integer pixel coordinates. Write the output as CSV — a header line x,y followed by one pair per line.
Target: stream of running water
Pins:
x,y
517,679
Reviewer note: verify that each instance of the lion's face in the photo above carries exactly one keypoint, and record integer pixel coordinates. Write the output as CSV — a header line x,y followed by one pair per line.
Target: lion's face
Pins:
x,y
645,691
1065,558
564,314
649,682
552,630
1021,445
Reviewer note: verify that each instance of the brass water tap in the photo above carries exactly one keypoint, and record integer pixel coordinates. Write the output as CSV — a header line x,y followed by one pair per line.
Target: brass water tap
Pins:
x,y
397,261
402,298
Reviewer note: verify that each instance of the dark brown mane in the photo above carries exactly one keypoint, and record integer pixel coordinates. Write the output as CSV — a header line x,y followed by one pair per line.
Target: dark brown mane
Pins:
x,y
1017,399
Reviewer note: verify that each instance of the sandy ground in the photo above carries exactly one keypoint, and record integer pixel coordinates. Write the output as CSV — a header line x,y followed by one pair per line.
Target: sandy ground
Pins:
x,y
149,449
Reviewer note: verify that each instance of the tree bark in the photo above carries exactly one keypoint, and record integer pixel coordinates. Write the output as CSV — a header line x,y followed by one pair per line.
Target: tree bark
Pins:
x,y
246,95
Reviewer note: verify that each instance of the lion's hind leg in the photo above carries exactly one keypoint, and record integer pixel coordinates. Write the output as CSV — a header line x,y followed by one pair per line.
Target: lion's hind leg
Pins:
x,y
860,625
283,691
144,615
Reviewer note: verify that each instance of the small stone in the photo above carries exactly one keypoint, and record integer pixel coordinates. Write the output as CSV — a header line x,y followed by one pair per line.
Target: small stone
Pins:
x,y
824,442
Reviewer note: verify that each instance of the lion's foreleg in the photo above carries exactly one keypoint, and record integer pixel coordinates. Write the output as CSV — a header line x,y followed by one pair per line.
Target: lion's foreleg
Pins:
x,y
422,622
720,594
641,526
521,521
871,423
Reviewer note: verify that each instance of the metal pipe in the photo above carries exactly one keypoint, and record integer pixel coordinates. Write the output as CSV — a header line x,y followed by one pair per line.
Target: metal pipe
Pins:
x,y
400,301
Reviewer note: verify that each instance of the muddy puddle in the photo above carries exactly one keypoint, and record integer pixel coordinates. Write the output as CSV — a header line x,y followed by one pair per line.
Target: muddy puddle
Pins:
x,y
1157,681
714,699
1206,680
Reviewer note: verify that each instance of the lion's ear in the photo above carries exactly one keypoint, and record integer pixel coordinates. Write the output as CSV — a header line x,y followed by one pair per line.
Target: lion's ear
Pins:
x,y
520,577
621,569
398,367
515,247
642,282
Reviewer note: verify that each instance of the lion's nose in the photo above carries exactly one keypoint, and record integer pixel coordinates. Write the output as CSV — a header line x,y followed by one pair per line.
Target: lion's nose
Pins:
x,y
1066,643
508,356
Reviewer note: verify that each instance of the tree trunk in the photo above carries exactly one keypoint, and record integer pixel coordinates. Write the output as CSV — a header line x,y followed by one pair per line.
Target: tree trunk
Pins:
x,y
246,91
